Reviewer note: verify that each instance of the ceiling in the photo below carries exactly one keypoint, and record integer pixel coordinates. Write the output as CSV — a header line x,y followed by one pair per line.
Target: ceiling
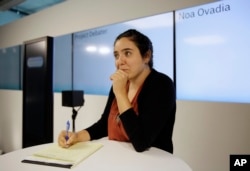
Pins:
x,y
12,10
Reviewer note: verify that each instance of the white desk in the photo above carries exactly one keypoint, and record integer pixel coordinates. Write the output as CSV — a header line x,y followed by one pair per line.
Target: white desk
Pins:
x,y
113,156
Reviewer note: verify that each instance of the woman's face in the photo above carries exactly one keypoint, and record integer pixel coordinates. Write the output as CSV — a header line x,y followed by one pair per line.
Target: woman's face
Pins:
x,y
128,58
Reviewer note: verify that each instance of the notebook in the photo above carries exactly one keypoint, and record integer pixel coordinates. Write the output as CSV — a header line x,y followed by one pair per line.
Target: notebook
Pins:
x,y
54,155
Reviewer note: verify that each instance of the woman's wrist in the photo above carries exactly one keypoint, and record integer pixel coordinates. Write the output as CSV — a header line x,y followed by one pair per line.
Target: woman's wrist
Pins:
x,y
82,135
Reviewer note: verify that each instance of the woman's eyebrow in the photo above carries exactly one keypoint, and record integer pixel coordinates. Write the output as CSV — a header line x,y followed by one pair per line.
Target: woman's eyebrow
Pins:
x,y
125,49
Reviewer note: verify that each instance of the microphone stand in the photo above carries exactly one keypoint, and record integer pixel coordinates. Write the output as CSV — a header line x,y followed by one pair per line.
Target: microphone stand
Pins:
x,y
74,114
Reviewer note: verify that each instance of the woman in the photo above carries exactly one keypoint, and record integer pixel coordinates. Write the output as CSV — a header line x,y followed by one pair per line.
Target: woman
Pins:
x,y
141,105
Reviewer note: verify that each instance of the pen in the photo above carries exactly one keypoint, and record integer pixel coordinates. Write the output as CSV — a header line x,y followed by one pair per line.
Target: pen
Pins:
x,y
67,130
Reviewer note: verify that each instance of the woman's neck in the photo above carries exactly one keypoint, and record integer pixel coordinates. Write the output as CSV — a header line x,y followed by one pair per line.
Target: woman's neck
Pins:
x,y
136,83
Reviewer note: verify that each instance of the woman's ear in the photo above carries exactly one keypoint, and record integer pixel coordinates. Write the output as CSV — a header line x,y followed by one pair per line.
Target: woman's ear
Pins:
x,y
147,56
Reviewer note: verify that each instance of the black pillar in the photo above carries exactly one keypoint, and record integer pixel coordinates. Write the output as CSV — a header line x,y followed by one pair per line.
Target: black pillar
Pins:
x,y
38,92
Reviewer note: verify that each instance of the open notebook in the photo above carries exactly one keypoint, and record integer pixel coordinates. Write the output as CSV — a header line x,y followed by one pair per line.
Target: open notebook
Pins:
x,y
54,155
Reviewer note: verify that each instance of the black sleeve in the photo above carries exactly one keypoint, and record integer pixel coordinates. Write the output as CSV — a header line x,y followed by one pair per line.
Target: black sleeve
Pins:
x,y
156,107
100,128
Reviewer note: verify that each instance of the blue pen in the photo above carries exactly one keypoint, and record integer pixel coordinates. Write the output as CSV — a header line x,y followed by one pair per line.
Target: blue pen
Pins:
x,y
67,130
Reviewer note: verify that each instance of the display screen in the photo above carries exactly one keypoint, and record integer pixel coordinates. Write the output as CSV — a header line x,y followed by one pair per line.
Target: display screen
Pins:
x,y
10,68
212,52
93,60
205,51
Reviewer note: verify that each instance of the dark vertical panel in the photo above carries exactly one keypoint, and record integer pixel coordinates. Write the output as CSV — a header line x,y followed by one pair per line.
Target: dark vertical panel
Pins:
x,y
38,92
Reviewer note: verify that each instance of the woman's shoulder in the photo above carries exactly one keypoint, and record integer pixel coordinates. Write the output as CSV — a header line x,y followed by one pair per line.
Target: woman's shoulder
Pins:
x,y
157,76
159,84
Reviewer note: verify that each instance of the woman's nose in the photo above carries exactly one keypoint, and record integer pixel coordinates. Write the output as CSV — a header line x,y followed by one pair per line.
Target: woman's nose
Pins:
x,y
120,60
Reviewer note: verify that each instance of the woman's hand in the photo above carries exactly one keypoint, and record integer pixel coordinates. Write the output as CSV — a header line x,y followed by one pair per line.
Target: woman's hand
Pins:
x,y
119,79
72,138
64,142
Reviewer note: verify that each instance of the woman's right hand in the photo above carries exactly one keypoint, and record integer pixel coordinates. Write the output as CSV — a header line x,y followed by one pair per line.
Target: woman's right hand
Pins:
x,y
67,142
73,138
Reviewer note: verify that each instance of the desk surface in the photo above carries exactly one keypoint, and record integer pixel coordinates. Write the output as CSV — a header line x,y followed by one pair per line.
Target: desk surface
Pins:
x,y
112,156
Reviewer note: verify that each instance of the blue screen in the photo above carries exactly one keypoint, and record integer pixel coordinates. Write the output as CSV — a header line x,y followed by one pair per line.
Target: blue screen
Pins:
x,y
212,52
10,68
93,60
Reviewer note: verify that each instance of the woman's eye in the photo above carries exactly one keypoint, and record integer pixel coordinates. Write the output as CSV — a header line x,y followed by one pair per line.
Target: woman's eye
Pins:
x,y
116,56
127,53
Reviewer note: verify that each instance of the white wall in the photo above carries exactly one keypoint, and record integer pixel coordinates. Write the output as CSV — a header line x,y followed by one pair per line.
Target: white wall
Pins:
x,y
10,120
205,133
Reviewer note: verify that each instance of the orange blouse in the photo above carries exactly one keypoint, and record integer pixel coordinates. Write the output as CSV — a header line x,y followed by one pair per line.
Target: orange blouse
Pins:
x,y
115,128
